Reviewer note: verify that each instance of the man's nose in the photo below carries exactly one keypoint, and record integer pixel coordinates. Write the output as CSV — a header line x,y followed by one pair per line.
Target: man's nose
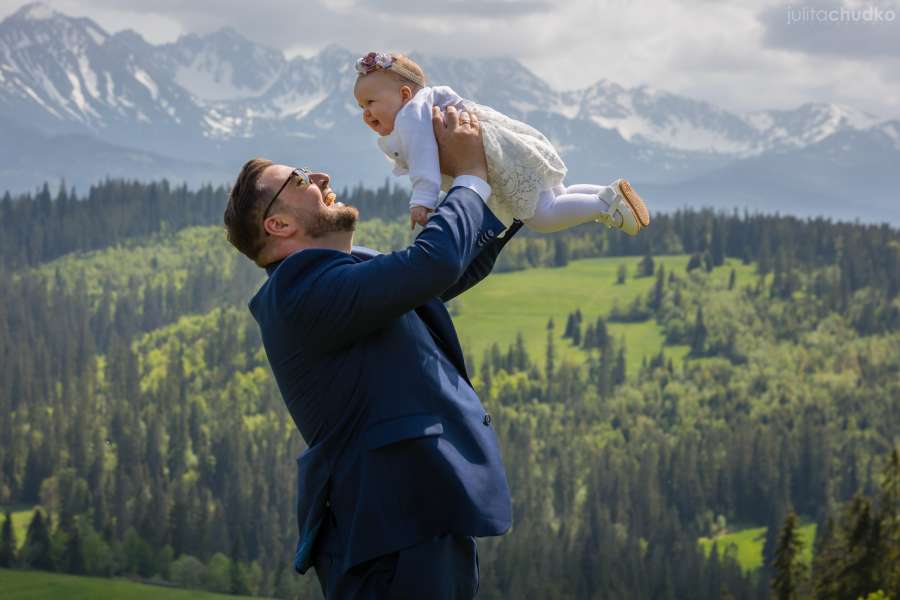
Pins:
x,y
321,180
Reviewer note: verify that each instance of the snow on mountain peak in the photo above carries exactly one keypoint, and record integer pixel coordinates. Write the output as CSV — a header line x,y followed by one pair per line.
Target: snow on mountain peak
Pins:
x,y
891,130
221,66
841,114
69,66
37,24
36,11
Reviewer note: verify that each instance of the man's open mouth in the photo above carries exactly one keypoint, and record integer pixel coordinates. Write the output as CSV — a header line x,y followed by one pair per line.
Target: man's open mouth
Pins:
x,y
329,198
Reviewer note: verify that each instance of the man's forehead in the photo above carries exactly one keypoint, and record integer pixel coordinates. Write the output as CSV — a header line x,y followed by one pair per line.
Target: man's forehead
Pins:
x,y
277,170
275,173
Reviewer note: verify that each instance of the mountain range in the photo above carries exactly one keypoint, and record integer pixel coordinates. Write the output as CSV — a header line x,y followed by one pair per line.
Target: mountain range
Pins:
x,y
79,104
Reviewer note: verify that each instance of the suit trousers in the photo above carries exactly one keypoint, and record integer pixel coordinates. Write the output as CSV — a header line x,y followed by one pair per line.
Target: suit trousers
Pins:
x,y
443,568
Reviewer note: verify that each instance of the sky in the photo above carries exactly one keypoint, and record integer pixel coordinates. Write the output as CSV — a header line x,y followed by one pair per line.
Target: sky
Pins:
x,y
740,55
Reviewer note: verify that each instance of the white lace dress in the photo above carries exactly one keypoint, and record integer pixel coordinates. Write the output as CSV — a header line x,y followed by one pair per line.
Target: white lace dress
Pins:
x,y
521,160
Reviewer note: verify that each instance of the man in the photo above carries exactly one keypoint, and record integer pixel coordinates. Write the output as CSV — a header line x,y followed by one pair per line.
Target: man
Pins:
x,y
403,468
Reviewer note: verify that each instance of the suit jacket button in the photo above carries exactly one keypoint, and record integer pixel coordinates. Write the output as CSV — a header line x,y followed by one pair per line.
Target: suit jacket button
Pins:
x,y
487,419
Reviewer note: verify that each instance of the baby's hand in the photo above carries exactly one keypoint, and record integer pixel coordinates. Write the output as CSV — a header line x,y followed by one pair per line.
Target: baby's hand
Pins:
x,y
418,214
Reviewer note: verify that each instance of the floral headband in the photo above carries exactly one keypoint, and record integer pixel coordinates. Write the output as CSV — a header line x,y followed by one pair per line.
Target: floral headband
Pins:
x,y
375,61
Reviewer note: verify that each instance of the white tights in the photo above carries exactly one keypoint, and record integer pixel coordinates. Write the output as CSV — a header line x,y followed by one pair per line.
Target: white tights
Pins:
x,y
564,207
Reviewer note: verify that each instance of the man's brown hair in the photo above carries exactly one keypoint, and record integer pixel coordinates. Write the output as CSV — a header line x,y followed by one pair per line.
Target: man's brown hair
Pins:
x,y
243,215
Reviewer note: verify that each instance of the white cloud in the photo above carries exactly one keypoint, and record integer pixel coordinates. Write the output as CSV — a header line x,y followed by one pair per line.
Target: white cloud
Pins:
x,y
735,54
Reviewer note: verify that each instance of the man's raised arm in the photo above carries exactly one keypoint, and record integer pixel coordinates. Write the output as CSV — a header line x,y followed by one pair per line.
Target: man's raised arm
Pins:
x,y
350,300
482,265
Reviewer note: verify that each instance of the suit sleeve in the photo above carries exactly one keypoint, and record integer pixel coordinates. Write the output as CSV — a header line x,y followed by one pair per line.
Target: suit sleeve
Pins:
x,y
351,300
482,265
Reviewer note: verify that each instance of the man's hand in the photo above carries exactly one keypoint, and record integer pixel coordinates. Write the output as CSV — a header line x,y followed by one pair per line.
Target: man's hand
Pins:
x,y
418,215
460,147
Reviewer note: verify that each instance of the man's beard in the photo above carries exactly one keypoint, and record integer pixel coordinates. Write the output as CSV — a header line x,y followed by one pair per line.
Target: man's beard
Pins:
x,y
332,220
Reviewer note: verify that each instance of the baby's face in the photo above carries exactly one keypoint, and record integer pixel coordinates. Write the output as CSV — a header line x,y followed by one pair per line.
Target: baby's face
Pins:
x,y
381,98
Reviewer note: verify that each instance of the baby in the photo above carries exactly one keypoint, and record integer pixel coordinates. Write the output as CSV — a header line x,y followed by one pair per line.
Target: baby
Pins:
x,y
525,171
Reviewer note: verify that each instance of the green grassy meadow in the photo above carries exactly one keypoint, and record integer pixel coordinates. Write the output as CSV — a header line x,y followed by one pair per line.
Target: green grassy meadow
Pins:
x,y
750,542
506,303
21,517
40,585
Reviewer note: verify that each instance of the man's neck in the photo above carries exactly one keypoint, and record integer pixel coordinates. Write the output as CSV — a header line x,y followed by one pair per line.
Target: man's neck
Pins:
x,y
341,241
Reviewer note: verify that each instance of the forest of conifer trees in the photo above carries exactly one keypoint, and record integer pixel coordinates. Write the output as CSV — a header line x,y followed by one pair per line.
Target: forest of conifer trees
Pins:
x,y
141,426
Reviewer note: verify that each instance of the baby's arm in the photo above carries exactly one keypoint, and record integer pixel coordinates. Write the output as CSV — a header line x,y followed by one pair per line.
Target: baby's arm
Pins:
x,y
421,153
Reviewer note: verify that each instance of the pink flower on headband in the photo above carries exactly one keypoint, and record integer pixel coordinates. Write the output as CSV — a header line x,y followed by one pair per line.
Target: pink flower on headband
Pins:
x,y
372,62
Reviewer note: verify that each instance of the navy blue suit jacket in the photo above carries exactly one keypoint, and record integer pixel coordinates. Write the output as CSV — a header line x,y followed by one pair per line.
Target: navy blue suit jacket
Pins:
x,y
365,354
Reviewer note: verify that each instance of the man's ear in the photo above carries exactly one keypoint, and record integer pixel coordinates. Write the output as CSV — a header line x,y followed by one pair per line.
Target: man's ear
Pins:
x,y
279,226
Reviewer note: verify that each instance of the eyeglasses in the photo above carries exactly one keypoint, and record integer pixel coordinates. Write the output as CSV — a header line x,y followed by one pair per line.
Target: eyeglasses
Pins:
x,y
303,180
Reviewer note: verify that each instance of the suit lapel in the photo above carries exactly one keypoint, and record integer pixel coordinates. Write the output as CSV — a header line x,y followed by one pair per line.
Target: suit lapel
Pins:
x,y
437,319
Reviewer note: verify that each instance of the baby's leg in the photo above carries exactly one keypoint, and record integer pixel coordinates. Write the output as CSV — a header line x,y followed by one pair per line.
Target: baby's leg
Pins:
x,y
562,208
605,191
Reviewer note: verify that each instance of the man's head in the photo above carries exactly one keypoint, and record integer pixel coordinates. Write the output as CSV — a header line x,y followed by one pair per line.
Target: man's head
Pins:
x,y
275,210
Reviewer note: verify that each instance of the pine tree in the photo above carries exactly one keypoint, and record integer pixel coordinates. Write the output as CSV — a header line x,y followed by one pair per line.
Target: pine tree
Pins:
x,y
236,575
708,263
717,248
36,552
788,567
606,377
621,274
863,548
659,289
714,573
590,338
889,516
7,543
560,252
849,563
570,326
764,255
731,279
694,263
619,369
576,333
522,361
646,265
550,363
601,333
698,337
72,560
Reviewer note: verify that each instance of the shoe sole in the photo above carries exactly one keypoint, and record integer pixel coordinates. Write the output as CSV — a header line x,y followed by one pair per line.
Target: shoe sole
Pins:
x,y
637,206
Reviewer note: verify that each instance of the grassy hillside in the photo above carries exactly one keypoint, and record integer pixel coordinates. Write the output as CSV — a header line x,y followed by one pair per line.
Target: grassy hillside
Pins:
x,y
749,543
21,516
133,266
40,585
493,311
505,303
